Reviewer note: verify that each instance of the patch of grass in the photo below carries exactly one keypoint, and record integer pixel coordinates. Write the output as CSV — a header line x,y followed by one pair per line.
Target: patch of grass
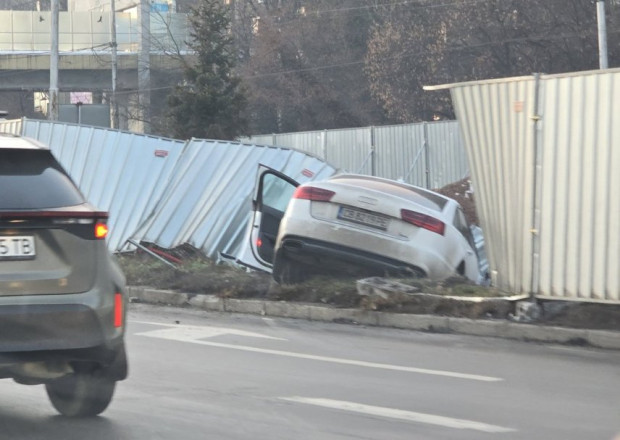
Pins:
x,y
341,292
453,286
196,275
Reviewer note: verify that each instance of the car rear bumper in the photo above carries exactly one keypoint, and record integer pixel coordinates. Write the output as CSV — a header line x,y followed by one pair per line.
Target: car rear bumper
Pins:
x,y
330,255
49,327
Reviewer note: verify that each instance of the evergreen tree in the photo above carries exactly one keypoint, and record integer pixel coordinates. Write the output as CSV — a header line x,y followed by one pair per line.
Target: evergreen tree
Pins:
x,y
211,101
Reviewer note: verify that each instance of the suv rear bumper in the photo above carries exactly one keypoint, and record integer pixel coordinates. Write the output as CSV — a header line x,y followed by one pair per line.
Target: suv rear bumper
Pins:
x,y
49,327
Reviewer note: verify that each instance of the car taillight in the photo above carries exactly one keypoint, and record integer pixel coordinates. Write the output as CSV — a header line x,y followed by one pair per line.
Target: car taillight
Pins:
x,y
101,230
423,221
314,194
118,310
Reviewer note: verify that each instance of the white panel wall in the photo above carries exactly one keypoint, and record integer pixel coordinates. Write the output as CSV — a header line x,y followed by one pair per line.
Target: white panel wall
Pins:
x,y
546,175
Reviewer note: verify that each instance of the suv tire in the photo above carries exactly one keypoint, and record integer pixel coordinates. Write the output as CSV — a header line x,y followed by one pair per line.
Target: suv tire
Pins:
x,y
81,394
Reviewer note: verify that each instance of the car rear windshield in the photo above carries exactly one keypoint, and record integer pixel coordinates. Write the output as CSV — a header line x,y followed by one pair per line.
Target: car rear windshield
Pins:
x,y
33,179
420,196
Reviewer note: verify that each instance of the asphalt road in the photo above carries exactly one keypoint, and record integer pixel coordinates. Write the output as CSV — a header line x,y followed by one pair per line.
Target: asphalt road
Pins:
x,y
199,375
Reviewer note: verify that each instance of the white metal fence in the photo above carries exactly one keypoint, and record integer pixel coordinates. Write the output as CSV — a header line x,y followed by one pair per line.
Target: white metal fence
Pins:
x,y
165,191
545,155
430,154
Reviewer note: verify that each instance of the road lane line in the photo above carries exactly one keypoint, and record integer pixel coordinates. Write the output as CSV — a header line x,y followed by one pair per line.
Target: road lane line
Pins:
x,y
408,416
178,334
195,332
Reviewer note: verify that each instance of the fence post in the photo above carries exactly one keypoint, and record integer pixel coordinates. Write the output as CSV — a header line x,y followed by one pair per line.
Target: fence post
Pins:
x,y
373,151
427,166
324,144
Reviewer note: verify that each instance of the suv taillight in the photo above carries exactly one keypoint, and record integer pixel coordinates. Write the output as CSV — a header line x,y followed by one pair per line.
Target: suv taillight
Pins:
x,y
88,224
101,230
313,193
423,221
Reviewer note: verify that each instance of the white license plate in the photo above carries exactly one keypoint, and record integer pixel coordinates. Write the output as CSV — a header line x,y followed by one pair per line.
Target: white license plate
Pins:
x,y
17,247
363,218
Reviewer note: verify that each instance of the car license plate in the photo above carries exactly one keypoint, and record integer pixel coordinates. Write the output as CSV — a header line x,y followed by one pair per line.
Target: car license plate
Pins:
x,y
363,218
17,247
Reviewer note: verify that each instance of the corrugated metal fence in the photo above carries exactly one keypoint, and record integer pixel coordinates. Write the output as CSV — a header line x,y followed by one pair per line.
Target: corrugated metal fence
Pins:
x,y
545,155
165,191
429,154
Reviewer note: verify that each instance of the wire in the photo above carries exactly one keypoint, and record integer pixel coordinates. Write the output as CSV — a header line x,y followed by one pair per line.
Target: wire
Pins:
x,y
450,49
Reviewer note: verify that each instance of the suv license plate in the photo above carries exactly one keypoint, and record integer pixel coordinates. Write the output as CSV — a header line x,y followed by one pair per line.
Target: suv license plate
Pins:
x,y
363,218
17,247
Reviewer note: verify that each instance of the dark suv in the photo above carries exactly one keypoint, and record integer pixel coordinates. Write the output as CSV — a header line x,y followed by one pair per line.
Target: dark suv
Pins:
x,y
62,296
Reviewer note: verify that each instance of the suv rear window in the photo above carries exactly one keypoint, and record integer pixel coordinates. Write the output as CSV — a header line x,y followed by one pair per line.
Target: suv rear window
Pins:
x,y
33,179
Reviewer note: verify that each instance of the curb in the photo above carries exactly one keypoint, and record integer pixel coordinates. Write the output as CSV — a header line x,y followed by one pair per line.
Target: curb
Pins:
x,y
429,323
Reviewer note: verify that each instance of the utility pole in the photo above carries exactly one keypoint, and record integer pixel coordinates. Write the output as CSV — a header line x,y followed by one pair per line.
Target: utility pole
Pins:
x,y
52,113
113,46
144,66
602,34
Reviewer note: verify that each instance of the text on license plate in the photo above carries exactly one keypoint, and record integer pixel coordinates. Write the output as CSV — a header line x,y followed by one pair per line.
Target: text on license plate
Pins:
x,y
17,247
363,218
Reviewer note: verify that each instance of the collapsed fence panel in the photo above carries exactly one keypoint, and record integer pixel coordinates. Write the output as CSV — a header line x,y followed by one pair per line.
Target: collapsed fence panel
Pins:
x,y
119,172
208,201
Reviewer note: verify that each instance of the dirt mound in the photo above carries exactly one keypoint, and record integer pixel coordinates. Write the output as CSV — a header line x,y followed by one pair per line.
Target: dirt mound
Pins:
x,y
462,192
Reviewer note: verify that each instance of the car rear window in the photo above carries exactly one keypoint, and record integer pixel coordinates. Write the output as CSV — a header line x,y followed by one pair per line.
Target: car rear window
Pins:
x,y
33,179
420,196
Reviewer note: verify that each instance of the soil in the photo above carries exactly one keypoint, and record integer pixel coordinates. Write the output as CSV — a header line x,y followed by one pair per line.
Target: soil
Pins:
x,y
198,275
462,192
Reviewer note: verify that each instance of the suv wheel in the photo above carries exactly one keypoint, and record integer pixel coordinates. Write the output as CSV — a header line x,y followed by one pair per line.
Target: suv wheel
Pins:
x,y
81,394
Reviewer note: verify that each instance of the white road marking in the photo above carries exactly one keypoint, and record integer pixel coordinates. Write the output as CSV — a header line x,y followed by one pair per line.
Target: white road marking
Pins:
x,y
188,333
408,416
195,334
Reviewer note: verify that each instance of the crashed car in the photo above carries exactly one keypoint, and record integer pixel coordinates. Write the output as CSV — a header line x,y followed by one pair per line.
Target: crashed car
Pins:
x,y
62,296
352,224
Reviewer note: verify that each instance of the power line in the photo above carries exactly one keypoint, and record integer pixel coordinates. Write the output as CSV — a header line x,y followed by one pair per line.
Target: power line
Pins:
x,y
449,49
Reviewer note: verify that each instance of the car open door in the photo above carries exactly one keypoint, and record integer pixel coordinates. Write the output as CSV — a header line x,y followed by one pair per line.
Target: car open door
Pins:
x,y
272,192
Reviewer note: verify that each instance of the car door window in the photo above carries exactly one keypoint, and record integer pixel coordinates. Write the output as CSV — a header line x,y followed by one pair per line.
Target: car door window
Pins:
x,y
460,223
275,193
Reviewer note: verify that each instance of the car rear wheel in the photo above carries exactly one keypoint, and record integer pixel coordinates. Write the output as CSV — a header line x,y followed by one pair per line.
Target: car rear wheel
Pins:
x,y
287,271
81,394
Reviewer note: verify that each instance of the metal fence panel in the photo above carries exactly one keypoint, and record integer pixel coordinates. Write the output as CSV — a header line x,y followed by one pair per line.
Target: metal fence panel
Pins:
x,y
580,206
208,202
311,142
430,155
401,153
350,150
498,133
123,173
544,155
447,158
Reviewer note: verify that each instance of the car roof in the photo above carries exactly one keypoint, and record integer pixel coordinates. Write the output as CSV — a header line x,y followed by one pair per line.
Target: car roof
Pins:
x,y
415,194
8,140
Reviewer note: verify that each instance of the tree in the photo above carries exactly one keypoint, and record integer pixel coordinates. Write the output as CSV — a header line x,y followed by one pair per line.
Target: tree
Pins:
x,y
211,100
427,42
305,69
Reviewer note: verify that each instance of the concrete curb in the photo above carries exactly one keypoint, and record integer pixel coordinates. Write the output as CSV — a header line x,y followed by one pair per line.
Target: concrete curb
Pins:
x,y
430,323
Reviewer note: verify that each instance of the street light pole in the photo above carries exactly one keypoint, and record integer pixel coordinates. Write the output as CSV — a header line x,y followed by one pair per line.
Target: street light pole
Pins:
x,y
602,34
